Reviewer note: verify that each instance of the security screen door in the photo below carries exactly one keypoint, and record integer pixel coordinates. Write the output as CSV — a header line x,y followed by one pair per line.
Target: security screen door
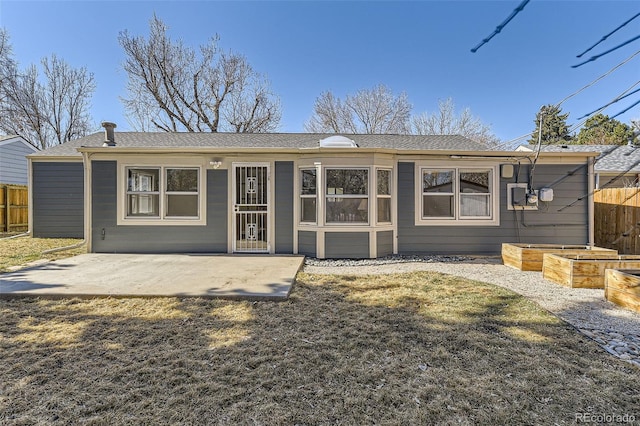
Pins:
x,y
250,208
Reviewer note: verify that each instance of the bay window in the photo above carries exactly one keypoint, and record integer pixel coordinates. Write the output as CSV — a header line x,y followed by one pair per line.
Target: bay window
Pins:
x,y
383,195
346,196
308,195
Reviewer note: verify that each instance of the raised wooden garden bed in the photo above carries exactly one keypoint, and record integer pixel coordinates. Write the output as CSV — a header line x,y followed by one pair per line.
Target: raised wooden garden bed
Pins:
x,y
584,270
622,287
528,257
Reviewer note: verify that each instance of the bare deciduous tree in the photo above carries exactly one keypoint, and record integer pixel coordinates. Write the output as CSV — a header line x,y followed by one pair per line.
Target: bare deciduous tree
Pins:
x,y
44,111
370,111
446,122
171,87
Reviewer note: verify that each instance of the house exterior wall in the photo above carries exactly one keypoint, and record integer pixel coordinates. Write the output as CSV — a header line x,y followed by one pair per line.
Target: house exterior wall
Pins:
x,y
57,199
59,192
346,245
307,243
109,237
384,242
283,208
13,163
547,225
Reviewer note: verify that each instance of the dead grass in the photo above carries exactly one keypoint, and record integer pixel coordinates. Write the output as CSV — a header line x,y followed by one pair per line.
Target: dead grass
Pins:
x,y
420,348
21,250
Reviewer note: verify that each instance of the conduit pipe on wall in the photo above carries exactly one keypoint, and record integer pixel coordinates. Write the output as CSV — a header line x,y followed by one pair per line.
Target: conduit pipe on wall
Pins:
x,y
15,236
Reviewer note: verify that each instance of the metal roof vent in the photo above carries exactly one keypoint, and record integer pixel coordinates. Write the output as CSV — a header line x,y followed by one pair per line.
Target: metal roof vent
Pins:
x,y
109,134
337,141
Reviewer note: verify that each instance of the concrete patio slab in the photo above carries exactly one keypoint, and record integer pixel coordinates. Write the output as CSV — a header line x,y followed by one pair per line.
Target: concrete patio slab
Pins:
x,y
149,275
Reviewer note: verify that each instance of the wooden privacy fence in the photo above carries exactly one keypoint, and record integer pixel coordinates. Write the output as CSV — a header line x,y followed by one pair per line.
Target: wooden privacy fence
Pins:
x,y
14,208
617,219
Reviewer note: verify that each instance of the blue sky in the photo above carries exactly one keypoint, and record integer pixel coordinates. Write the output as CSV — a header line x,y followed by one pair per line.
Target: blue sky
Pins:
x,y
307,47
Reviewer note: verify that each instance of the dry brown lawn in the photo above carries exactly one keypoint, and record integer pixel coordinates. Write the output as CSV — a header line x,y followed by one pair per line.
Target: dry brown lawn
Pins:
x,y
21,250
419,348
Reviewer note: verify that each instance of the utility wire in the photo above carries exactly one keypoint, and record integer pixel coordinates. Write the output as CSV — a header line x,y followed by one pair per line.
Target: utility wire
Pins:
x,y
615,178
598,79
612,102
626,109
593,58
606,36
501,26
616,99
519,138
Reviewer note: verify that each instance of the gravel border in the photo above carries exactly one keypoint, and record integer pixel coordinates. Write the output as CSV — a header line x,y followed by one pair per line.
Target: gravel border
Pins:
x,y
616,329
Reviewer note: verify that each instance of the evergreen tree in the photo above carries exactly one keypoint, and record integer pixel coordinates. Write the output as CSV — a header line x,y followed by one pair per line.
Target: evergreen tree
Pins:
x,y
602,130
554,126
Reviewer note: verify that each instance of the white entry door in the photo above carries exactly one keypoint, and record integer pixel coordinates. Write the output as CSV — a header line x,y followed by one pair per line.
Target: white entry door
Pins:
x,y
251,208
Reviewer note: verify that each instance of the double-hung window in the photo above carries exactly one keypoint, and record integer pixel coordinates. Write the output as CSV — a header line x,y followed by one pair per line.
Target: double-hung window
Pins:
x,y
181,192
162,192
347,196
143,192
383,195
457,195
308,195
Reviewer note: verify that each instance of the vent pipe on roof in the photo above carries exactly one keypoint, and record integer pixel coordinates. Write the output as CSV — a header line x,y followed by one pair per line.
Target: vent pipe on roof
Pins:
x,y
109,133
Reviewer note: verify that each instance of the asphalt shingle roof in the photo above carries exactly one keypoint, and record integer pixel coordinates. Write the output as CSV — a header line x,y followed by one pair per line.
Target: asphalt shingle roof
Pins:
x,y
612,158
262,140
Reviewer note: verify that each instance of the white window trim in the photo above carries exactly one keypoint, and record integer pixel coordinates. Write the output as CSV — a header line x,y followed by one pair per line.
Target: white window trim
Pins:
x,y
162,219
346,196
494,220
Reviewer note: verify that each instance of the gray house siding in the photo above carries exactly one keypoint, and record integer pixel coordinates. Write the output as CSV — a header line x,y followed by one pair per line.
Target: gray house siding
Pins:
x,y
346,245
58,200
284,207
547,225
384,243
13,163
109,237
307,243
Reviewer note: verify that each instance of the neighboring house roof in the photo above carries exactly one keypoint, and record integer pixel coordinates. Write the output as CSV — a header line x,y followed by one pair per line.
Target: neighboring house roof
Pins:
x,y
612,158
625,158
262,140
9,139
13,159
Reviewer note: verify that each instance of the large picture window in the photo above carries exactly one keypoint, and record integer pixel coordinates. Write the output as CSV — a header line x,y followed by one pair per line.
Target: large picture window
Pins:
x,y
347,199
163,192
457,194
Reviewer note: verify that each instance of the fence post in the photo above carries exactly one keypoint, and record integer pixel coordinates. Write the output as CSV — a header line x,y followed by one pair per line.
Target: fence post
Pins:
x,y
7,204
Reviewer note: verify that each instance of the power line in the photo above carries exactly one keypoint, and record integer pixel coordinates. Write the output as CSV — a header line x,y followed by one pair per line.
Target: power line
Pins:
x,y
501,26
593,58
626,109
598,79
606,36
612,102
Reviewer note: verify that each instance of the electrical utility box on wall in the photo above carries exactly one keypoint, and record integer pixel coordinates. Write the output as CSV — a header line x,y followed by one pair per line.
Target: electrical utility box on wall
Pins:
x,y
518,197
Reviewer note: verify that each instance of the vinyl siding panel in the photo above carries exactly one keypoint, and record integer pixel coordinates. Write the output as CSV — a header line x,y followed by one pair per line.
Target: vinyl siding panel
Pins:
x,y
108,237
283,208
307,243
384,243
346,245
58,199
13,163
548,225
